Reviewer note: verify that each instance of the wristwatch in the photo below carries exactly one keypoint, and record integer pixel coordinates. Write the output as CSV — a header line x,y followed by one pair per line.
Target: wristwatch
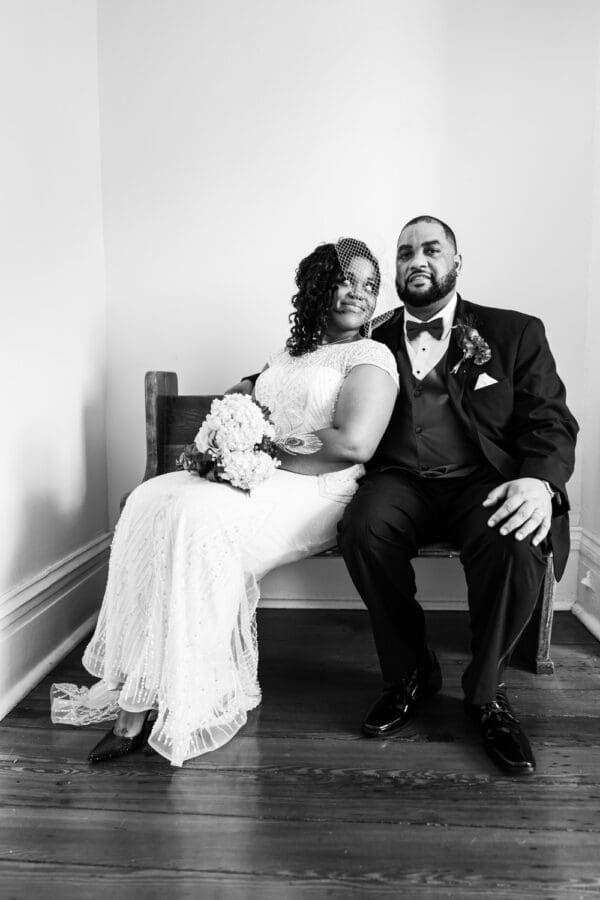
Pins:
x,y
549,488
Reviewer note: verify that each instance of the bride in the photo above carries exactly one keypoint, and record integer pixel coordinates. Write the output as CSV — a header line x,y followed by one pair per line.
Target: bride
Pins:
x,y
175,646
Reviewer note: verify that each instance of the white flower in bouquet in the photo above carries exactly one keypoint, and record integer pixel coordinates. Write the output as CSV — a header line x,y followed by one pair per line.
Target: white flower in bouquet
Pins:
x,y
246,468
235,422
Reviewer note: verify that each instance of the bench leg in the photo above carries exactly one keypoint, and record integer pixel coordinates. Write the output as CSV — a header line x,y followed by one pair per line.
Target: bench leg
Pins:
x,y
533,647
543,663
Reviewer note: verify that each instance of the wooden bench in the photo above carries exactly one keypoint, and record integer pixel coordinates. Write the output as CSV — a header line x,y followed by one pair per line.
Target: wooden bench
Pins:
x,y
173,420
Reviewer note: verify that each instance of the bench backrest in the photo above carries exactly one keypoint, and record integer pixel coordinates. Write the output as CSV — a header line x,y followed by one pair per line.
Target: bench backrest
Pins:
x,y
172,421
178,421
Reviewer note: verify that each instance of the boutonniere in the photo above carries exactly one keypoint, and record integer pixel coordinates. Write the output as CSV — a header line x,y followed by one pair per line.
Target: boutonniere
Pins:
x,y
471,343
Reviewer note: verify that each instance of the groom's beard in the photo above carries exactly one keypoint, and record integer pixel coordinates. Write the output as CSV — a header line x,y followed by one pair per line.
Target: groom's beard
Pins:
x,y
437,289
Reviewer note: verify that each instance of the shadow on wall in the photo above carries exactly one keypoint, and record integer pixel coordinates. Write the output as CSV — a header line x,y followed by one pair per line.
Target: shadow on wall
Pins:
x,y
58,560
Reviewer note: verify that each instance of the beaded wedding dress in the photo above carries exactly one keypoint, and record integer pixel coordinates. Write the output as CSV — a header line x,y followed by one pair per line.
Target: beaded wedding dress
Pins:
x,y
177,628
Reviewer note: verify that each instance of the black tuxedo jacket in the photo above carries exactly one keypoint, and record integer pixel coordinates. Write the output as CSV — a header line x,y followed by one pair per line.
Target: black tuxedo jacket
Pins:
x,y
522,422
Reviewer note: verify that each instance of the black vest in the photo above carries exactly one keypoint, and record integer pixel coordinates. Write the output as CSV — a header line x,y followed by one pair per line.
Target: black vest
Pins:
x,y
425,435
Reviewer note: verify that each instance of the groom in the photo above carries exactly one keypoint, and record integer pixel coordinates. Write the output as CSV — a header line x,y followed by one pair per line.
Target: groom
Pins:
x,y
479,449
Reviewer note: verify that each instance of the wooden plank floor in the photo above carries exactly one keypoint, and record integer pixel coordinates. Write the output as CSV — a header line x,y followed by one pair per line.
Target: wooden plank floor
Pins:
x,y
299,804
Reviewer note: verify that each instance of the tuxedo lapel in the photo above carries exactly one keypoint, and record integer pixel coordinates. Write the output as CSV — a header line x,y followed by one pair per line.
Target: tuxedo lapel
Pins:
x,y
454,353
401,353
466,373
392,331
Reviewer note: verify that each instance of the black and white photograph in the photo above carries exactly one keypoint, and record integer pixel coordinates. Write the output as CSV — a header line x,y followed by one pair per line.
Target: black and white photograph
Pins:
x,y
300,479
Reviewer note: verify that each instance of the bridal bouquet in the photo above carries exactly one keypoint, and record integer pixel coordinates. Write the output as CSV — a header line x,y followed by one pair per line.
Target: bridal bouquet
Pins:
x,y
235,443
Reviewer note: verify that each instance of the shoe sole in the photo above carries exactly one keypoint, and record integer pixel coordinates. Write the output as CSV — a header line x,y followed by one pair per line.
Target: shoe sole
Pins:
x,y
518,771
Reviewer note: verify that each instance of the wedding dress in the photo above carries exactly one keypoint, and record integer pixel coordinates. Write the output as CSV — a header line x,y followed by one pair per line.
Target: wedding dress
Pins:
x,y
177,627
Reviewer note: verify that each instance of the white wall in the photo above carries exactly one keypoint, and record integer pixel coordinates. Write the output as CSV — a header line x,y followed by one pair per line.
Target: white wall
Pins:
x,y
53,480
236,136
587,607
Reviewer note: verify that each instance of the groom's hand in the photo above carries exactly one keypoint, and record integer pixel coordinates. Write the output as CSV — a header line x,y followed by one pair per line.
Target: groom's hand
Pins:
x,y
245,386
526,510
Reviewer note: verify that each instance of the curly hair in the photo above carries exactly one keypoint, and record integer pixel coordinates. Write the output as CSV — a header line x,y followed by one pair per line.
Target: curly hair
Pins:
x,y
317,277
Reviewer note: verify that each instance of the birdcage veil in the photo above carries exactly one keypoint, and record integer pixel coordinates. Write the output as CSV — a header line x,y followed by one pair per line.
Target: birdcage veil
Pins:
x,y
367,264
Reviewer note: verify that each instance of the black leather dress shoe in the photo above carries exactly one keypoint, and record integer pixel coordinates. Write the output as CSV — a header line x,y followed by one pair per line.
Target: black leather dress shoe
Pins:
x,y
112,745
398,704
501,735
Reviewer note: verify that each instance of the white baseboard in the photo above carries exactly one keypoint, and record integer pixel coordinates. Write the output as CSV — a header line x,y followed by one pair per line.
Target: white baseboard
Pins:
x,y
587,605
42,619
591,620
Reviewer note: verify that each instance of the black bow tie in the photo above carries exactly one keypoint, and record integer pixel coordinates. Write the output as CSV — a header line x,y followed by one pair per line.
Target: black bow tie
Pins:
x,y
435,328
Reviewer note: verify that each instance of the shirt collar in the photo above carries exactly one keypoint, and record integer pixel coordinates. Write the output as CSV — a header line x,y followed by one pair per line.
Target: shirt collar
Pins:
x,y
446,315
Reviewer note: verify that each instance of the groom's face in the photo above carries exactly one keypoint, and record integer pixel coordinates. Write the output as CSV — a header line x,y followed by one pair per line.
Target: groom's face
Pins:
x,y
426,265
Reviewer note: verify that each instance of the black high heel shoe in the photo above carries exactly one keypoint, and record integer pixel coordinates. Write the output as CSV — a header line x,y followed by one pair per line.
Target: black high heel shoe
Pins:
x,y
112,745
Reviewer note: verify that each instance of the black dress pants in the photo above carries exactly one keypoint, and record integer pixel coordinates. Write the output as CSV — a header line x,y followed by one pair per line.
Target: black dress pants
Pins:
x,y
390,516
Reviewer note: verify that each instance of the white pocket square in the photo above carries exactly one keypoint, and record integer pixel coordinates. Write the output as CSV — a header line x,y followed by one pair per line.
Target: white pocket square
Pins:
x,y
484,380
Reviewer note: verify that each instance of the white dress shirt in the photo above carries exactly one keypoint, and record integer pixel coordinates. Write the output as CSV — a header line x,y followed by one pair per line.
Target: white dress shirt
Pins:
x,y
426,351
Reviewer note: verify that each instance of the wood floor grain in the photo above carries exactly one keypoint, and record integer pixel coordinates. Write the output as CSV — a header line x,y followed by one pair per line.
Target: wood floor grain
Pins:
x,y
299,804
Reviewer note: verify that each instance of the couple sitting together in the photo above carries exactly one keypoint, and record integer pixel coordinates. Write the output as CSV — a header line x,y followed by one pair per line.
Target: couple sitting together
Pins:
x,y
449,423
